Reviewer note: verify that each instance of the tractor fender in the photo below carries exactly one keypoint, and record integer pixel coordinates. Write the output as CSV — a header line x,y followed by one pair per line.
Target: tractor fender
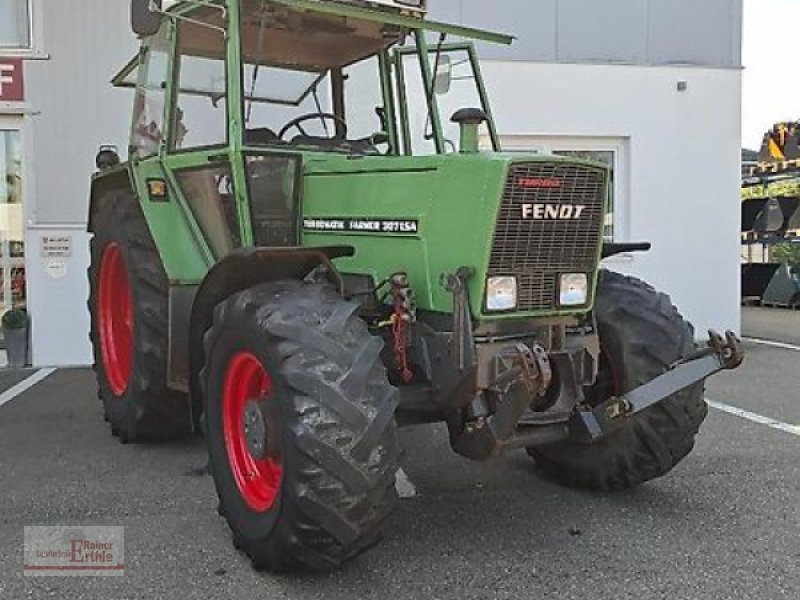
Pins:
x,y
118,178
239,271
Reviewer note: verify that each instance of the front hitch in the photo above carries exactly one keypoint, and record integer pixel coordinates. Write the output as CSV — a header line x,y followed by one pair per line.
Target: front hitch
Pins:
x,y
589,424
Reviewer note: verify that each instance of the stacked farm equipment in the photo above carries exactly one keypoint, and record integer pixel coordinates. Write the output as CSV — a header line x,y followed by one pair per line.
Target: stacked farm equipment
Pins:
x,y
771,221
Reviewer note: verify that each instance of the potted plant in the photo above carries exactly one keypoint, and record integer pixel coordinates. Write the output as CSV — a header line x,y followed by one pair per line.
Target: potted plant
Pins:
x,y
15,332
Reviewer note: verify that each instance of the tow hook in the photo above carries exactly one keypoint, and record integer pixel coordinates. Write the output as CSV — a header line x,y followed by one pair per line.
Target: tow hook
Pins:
x,y
521,372
728,349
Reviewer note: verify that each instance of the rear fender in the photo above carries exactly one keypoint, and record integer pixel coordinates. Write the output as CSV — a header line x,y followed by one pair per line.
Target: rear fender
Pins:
x,y
237,272
118,178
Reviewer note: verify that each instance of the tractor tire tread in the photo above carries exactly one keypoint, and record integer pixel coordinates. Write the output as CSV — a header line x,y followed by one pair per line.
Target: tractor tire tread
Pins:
x,y
646,334
340,439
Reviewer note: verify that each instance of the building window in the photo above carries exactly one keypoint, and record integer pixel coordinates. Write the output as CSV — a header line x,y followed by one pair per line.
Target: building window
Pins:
x,y
15,24
12,233
607,157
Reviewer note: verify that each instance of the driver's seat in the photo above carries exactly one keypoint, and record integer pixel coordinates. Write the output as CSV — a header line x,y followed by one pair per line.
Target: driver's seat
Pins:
x,y
326,143
262,136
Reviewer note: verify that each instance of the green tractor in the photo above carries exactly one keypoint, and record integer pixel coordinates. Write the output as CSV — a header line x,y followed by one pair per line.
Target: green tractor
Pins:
x,y
295,268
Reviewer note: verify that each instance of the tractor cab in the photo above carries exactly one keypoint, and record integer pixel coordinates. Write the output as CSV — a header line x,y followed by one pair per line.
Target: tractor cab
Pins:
x,y
319,77
234,100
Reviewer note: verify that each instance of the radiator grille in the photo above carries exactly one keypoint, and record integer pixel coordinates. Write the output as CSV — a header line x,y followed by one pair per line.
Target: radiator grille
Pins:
x,y
538,250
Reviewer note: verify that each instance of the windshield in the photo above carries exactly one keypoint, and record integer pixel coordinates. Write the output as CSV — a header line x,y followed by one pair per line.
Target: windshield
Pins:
x,y
296,79
263,83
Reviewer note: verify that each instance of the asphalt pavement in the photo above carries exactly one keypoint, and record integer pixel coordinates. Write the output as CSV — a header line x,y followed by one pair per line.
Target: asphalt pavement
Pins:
x,y
775,324
723,525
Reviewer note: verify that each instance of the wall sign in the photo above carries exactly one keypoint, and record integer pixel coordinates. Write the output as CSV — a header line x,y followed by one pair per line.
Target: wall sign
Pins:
x,y
12,88
56,269
56,246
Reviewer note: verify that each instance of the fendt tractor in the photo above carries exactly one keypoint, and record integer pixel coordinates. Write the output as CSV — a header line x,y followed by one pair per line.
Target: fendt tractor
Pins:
x,y
316,238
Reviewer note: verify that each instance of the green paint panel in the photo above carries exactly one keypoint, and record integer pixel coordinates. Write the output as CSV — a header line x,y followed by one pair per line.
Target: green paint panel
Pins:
x,y
455,198
181,251
423,189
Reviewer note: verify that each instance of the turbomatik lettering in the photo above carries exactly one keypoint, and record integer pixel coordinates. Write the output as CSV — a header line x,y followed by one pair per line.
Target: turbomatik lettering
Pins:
x,y
552,212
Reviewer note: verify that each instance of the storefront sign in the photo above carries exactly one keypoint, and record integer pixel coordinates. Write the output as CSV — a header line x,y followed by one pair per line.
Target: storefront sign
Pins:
x,y
56,246
12,88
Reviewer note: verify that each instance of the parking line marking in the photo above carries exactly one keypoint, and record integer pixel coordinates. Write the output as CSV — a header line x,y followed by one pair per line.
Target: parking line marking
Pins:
x,y
781,345
25,385
761,420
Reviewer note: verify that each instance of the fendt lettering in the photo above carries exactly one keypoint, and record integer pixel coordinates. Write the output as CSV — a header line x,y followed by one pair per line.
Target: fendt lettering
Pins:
x,y
297,290
553,212
539,182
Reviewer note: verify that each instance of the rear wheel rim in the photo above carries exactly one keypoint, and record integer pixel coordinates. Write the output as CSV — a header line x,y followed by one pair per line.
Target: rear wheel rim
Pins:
x,y
258,478
115,319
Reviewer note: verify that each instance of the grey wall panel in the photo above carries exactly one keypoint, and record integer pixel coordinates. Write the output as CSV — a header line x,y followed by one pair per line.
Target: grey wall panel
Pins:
x,y
611,30
76,109
702,33
447,11
532,22
737,33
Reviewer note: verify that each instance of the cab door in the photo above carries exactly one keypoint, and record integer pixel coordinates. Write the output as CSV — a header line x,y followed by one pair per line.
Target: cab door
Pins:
x,y
198,159
184,251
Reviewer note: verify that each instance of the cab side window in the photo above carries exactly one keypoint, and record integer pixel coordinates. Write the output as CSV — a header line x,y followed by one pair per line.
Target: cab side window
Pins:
x,y
147,129
200,116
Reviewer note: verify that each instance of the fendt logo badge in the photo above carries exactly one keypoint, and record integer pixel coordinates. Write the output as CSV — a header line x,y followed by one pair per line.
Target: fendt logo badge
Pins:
x,y
553,212
541,183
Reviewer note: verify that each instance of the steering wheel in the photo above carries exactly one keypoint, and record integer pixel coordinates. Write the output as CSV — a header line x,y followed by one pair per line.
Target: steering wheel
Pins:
x,y
307,117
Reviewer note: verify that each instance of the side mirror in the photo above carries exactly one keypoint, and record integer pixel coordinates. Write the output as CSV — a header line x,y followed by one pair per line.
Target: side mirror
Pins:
x,y
145,20
444,75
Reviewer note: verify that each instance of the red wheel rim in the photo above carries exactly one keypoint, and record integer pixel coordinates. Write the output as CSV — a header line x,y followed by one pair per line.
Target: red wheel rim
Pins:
x,y
258,479
115,319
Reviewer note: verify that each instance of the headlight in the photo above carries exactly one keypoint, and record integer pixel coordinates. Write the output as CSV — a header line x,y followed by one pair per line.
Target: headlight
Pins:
x,y
573,289
501,293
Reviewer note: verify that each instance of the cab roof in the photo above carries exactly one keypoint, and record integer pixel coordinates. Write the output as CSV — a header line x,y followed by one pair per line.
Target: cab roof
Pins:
x,y
314,35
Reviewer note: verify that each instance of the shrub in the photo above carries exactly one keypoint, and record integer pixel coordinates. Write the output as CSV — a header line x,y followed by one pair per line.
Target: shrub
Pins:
x,y
16,318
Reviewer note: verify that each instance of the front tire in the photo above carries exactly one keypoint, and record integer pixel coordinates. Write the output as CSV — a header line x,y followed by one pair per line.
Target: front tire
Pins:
x,y
641,335
301,435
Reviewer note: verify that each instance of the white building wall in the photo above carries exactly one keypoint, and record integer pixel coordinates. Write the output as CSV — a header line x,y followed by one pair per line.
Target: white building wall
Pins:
x,y
682,150
73,110
683,164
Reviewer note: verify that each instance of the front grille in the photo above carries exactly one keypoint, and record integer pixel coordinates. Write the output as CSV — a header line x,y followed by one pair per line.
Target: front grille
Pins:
x,y
537,249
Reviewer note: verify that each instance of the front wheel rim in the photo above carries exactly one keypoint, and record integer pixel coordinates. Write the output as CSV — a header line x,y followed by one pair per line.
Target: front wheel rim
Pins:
x,y
115,319
258,478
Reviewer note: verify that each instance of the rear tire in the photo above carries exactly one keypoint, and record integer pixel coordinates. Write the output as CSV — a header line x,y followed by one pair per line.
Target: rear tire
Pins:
x,y
641,335
129,311
316,493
